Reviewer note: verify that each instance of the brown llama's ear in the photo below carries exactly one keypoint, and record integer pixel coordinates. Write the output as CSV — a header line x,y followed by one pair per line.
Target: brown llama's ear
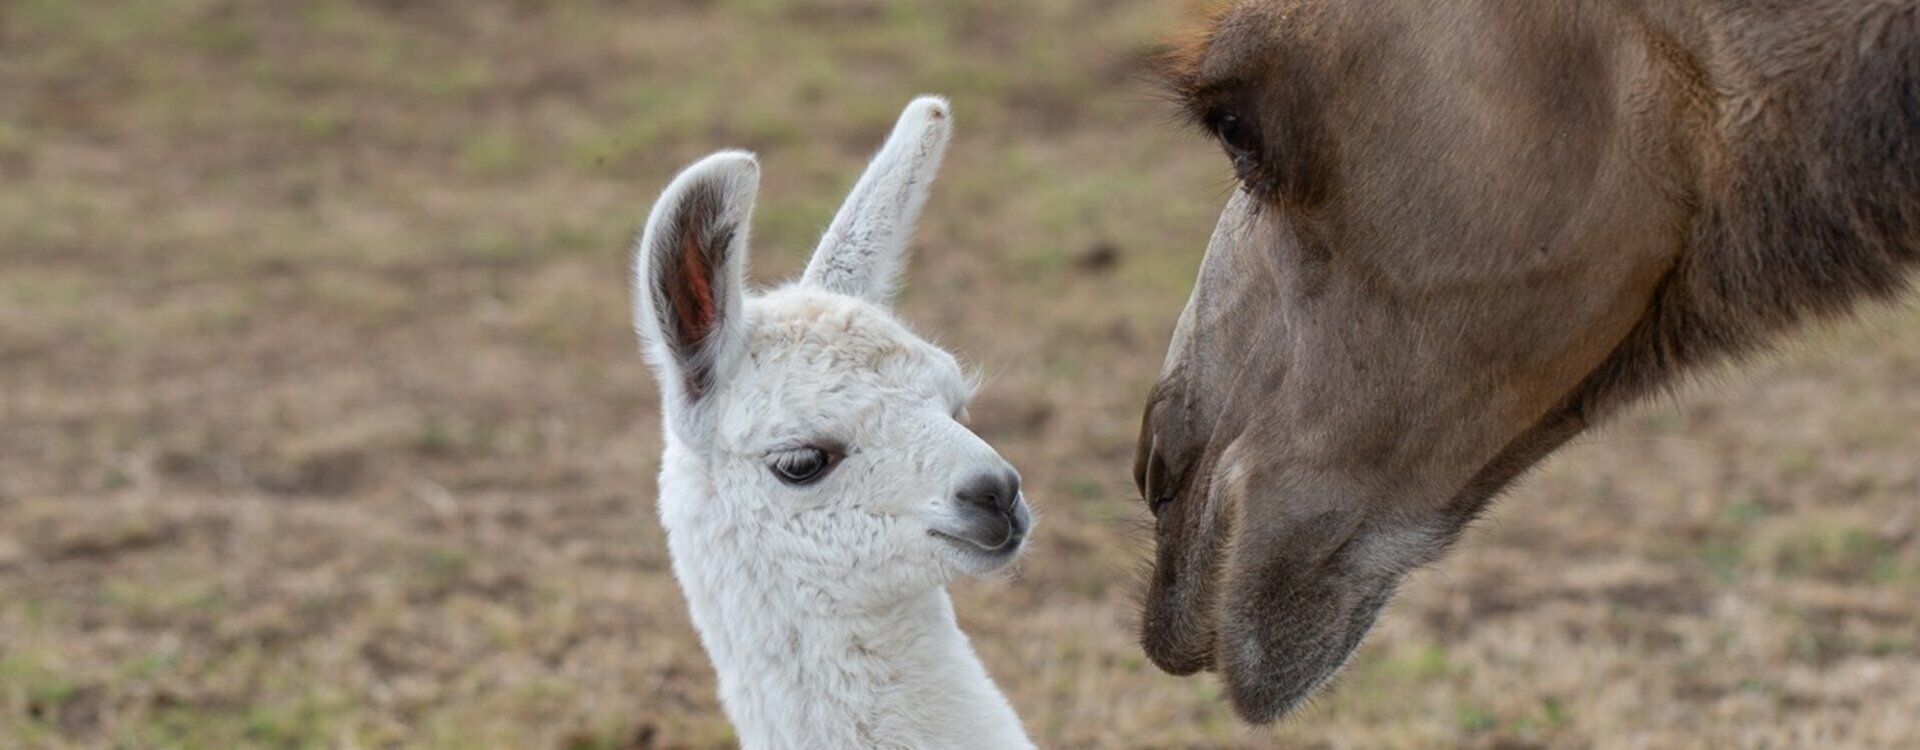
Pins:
x,y
689,270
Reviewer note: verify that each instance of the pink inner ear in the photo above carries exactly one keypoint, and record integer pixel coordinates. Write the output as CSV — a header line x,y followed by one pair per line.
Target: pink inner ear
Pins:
x,y
689,303
693,303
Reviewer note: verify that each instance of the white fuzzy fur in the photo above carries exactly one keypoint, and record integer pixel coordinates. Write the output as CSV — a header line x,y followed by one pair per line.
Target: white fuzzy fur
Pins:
x,y
864,247
823,607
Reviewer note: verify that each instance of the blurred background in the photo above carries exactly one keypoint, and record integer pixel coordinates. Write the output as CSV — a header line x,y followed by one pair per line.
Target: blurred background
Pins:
x,y
322,423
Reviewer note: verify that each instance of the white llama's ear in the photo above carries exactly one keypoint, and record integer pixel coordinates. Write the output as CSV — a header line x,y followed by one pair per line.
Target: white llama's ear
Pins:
x,y
862,251
689,274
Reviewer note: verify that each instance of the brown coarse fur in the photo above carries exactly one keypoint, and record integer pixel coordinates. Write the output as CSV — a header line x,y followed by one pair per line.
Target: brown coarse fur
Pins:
x,y
1470,231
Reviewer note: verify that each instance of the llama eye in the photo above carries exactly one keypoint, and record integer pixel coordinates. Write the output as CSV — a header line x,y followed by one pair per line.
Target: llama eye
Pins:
x,y
1238,137
1234,131
803,466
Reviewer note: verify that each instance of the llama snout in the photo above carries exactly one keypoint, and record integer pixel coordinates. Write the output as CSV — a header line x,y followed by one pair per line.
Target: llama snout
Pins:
x,y
990,513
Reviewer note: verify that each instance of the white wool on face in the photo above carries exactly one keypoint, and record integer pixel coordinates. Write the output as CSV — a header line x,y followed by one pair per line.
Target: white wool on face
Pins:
x,y
823,608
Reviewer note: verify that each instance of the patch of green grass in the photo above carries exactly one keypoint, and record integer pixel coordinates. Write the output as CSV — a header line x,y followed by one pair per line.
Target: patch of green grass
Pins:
x,y
369,300
319,123
1800,463
1897,645
115,477
1817,644
1430,664
149,665
224,36
493,153
1837,551
442,567
593,239
14,137
454,81
1063,366
298,724
1728,549
1553,713
1086,488
436,438
1743,512
229,316
1724,555
34,686
545,695
1474,719
790,224
1090,587
1664,421
660,115
100,25
605,737
306,720
488,246
146,600
760,8
48,16
332,17
563,319
49,291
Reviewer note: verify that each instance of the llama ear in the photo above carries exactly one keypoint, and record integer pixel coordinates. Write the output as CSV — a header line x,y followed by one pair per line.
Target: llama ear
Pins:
x,y
689,274
862,251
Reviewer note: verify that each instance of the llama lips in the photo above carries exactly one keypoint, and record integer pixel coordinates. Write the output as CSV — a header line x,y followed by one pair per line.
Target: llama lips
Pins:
x,y
990,531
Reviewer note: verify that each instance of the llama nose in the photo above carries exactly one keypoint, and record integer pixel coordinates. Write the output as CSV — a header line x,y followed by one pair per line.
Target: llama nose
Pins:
x,y
994,490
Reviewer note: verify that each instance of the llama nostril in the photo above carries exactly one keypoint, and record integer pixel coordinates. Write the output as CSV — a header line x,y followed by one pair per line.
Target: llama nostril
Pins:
x,y
996,491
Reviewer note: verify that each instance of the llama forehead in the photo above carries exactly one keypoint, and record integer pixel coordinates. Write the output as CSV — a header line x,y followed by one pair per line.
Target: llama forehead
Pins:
x,y
817,356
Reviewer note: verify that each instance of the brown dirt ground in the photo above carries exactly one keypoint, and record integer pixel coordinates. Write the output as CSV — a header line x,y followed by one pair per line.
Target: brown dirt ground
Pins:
x,y
322,424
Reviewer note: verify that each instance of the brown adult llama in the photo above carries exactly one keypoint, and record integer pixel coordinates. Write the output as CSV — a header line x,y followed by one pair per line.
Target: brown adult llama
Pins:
x,y
1466,231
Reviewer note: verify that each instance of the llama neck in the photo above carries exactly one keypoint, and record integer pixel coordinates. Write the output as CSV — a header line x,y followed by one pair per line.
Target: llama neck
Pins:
x,y
797,669
901,679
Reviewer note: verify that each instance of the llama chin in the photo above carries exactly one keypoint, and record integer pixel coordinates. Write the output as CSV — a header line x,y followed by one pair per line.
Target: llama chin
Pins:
x,y
818,488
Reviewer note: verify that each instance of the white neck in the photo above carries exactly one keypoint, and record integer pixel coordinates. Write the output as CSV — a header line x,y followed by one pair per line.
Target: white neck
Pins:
x,y
799,672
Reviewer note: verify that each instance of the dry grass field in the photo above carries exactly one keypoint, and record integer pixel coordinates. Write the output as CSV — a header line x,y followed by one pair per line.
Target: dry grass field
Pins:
x,y
322,426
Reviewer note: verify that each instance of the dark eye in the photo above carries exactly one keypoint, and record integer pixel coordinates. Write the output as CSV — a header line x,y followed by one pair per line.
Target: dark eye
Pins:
x,y
1235,133
803,466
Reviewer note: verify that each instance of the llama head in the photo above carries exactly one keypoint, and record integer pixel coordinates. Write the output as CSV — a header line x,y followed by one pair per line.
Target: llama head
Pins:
x,y
809,416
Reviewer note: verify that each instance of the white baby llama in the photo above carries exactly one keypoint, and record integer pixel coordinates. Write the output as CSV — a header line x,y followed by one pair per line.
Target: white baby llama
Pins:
x,y
818,489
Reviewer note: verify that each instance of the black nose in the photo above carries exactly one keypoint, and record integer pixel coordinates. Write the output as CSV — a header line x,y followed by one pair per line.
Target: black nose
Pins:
x,y
994,490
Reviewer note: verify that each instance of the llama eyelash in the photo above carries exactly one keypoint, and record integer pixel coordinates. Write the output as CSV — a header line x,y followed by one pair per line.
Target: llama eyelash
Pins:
x,y
1237,131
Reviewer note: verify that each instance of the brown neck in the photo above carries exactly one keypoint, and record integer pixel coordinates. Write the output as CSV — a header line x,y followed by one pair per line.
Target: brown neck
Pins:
x,y
1800,129
1805,148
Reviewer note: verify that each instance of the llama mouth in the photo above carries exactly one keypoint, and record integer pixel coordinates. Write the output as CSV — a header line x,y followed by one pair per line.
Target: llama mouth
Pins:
x,y
1009,540
999,535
